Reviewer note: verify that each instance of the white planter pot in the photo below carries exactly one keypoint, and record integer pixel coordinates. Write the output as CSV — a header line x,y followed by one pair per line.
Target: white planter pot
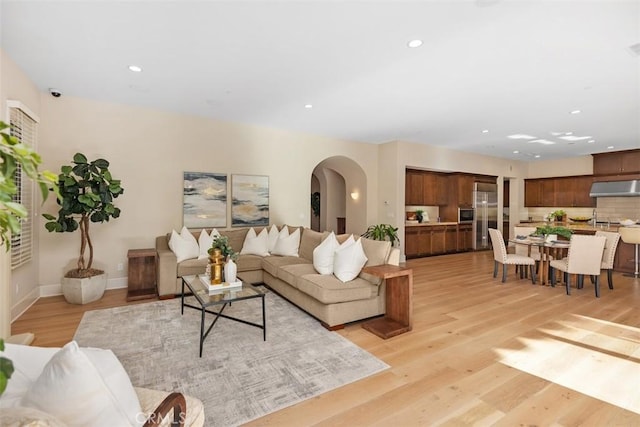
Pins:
x,y
84,291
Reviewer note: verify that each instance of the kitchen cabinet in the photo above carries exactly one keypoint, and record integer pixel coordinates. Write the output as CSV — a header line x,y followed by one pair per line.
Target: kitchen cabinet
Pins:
x,y
451,239
561,192
465,190
617,162
413,188
438,240
465,235
624,260
412,242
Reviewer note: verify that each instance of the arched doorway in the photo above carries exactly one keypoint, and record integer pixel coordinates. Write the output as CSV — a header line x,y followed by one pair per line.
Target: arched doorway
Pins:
x,y
341,185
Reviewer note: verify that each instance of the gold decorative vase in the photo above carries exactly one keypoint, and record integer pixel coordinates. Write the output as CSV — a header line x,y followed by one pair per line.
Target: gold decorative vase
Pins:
x,y
217,265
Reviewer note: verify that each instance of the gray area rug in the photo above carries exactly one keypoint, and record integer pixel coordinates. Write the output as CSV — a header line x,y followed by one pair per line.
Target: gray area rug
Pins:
x,y
240,377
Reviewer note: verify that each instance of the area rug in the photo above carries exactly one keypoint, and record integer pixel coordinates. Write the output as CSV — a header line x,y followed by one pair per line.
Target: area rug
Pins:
x,y
240,377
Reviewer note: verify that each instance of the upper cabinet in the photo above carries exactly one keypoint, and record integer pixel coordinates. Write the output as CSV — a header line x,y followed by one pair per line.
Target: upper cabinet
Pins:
x,y
616,163
465,190
424,188
567,191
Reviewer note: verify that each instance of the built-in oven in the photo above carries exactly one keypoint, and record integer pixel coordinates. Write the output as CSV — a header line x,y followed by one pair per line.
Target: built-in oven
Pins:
x,y
465,215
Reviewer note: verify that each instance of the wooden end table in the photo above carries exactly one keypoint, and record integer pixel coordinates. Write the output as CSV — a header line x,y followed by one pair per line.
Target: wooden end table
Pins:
x,y
399,301
141,283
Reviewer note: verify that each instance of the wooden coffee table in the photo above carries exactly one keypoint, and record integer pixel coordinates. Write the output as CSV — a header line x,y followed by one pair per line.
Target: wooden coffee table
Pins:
x,y
399,301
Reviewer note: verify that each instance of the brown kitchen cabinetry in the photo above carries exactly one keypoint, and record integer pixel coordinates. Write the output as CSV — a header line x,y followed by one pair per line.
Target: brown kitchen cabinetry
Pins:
x,y
616,163
451,239
562,192
465,190
465,242
412,242
413,188
625,258
438,240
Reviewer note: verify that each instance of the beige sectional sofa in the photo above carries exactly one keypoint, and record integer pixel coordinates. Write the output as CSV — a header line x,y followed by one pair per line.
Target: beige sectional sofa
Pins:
x,y
325,297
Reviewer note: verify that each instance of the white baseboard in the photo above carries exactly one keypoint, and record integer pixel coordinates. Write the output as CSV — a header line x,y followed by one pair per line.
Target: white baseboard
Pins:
x,y
53,290
23,305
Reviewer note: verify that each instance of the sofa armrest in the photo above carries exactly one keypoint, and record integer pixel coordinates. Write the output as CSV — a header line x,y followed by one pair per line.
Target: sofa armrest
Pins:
x,y
394,257
167,267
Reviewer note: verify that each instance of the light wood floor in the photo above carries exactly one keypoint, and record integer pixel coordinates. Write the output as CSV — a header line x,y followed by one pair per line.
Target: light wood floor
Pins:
x,y
447,370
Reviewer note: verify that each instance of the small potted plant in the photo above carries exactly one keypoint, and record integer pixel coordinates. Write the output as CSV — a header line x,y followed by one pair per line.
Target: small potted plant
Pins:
x,y
547,230
419,215
382,232
221,244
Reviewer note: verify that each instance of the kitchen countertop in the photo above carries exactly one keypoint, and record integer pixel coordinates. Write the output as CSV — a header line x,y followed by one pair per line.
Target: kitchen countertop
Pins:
x,y
574,225
427,224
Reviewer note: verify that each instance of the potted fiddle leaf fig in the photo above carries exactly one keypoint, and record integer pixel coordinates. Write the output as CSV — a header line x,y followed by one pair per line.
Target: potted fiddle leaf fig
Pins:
x,y
87,191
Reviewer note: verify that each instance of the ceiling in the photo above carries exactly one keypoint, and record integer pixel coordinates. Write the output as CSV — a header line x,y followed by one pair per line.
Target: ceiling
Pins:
x,y
505,66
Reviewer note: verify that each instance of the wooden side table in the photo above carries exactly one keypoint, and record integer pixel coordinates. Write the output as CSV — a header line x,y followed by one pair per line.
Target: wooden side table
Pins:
x,y
142,274
399,301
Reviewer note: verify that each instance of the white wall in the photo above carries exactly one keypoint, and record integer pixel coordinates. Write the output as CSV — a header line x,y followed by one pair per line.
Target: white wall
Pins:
x,y
149,150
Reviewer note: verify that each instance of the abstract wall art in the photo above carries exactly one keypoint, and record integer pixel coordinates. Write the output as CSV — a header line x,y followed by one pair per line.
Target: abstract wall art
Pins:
x,y
250,200
205,200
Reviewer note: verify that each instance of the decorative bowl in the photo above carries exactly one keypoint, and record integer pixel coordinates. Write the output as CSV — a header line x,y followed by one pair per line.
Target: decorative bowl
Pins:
x,y
580,219
627,222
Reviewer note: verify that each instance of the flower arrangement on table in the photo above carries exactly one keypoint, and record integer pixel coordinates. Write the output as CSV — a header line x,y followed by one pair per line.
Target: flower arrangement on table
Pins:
x,y
222,243
546,230
221,258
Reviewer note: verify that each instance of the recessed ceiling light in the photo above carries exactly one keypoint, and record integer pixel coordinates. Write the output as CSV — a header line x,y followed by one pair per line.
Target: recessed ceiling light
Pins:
x,y
135,68
521,136
568,133
537,156
591,141
610,147
308,106
485,131
542,141
516,152
574,138
576,112
415,43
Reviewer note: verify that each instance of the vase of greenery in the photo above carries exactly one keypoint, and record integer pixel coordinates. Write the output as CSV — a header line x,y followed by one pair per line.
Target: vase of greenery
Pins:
x,y
420,215
16,157
382,232
547,230
229,255
87,190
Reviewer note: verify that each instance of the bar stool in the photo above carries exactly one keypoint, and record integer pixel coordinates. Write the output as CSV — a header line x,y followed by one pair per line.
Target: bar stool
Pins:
x,y
631,235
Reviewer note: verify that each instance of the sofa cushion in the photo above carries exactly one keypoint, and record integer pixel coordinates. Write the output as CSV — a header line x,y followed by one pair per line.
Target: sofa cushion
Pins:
x,y
348,260
376,251
324,254
249,263
272,238
309,240
256,244
19,416
192,266
287,244
205,241
236,238
329,290
292,272
87,387
184,245
271,264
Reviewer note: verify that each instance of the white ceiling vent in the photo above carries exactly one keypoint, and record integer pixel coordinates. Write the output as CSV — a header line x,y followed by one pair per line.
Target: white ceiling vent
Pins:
x,y
635,49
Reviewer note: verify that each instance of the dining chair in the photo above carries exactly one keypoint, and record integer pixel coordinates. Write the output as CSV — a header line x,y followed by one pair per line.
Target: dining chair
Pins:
x,y
609,254
584,258
500,256
526,250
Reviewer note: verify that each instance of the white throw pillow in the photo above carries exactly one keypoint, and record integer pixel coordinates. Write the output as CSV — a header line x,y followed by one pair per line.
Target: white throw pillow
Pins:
x,y
273,237
184,245
205,241
323,254
256,245
348,261
85,387
287,245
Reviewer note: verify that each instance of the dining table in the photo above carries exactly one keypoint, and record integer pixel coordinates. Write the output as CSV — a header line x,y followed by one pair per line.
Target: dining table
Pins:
x,y
548,249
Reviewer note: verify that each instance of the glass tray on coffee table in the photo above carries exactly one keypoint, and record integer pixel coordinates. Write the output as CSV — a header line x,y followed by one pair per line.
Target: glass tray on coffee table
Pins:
x,y
223,297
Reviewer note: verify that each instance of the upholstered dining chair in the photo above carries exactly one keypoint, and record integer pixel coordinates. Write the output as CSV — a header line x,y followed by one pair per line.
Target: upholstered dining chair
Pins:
x,y
500,256
609,254
584,258
631,235
526,250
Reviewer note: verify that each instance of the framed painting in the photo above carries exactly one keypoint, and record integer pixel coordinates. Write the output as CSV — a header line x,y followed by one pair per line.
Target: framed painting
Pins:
x,y
250,200
205,200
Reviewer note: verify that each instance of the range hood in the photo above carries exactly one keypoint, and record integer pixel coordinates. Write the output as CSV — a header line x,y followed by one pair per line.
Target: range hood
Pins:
x,y
615,189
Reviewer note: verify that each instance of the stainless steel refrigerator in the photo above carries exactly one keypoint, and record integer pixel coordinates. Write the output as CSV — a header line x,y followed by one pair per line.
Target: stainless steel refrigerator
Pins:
x,y
485,205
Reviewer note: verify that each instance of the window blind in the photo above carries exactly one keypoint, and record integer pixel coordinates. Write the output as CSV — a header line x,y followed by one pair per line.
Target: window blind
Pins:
x,y
24,128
